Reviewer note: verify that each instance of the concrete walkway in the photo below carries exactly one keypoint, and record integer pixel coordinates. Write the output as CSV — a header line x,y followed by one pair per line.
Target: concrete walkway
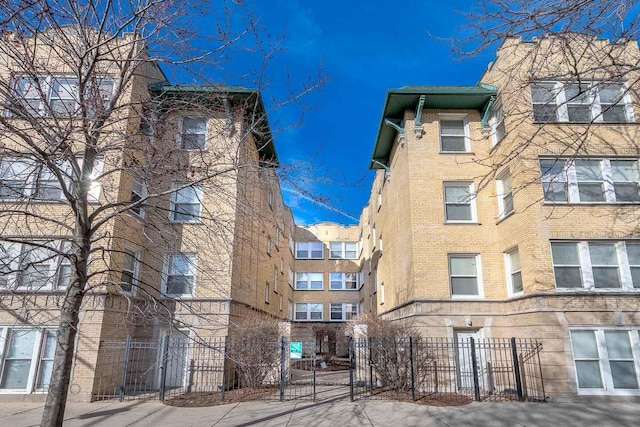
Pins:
x,y
335,413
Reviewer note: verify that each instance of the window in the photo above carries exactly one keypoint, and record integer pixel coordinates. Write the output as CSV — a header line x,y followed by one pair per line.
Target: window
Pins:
x,y
186,203
309,281
514,273
20,178
309,250
497,123
342,281
308,311
343,250
289,309
590,180
581,103
280,303
275,278
270,198
596,265
180,274
26,359
130,271
193,133
277,237
138,192
290,277
345,311
382,293
453,135
605,361
268,245
459,201
464,275
266,292
34,266
505,194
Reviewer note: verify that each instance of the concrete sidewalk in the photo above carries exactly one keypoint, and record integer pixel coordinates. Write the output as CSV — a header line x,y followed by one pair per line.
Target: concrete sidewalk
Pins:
x,y
336,413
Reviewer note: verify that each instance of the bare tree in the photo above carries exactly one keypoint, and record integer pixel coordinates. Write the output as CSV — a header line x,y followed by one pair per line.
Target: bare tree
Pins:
x,y
90,165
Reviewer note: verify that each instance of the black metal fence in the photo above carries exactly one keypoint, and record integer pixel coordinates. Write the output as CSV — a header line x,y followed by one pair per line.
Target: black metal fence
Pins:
x,y
446,369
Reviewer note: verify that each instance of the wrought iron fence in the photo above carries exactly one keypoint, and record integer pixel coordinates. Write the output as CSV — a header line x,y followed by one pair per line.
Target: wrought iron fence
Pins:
x,y
447,369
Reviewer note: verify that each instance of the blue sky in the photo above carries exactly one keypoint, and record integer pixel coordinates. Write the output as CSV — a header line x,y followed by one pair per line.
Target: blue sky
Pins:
x,y
364,48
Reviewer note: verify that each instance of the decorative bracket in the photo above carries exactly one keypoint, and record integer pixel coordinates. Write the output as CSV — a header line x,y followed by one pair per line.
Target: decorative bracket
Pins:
x,y
484,122
418,119
387,170
398,125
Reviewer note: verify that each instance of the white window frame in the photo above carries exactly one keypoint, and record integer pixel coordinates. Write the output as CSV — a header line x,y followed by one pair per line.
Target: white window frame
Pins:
x,y
472,201
135,273
478,275
382,293
35,175
267,292
586,268
341,252
512,270
592,88
180,136
465,124
504,190
341,277
291,276
309,281
138,192
15,252
498,129
192,261
289,309
275,278
342,308
37,357
268,245
604,359
309,251
197,191
308,310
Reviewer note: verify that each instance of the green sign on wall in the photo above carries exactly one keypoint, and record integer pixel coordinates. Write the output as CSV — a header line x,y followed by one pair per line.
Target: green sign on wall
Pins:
x,y
295,350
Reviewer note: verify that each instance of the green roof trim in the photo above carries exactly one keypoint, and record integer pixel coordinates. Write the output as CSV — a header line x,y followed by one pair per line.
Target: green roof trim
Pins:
x,y
236,95
435,97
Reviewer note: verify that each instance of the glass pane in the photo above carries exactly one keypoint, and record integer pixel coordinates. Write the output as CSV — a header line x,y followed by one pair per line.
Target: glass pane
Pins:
x,y
187,195
579,113
618,344
614,114
576,94
588,170
15,374
516,282
459,213
544,113
49,346
633,252
606,277
452,127
22,342
627,192
453,143
179,265
129,261
610,94
584,345
464,286
542,93
624,170
588,374
462,266
555,191
591,192
44,376
457,194
186,212
179,285
635,277
193,141
507,203
623,374
565,253
514,260
568,277
603,254
194,125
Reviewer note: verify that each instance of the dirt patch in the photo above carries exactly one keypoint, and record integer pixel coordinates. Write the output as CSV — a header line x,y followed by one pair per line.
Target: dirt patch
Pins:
x,y
215,398
440,399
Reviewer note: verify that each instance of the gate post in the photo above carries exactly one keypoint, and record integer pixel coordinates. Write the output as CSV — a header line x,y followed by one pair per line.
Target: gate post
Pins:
x,y
192,367
413,380
224,366
163,365
282,367
351,367
313,367
474,364
125,367
516,368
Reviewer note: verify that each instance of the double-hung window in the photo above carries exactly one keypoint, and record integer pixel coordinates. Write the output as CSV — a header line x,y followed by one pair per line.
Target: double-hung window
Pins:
x,y
309,250
459,201
464,275
343,311
498,129
453,135
21,178
138,192
193,133
581,102
514,271
186,203
180,274
343,250
606,361
590,180
309,281
130,271
598,264
26,359
344,281
37,266
308,311
505,194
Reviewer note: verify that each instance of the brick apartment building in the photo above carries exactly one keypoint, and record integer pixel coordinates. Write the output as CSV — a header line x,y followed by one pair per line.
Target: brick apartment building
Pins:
x,y
492,226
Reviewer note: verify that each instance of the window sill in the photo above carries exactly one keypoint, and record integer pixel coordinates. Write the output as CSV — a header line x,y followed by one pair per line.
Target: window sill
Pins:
x,y
466,153
502,218
554,122
597,290
348,290
198,222
467,297
462,223
550,203
312,290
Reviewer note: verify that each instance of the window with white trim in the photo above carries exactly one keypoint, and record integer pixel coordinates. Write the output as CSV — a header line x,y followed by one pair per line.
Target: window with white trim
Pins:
x,y
291,274
26,359
498,130
464,275
266,292
309,281
20,178
180,274
280,303
138,192
459,202
35,266
130,271
277,237
186,203
289,309
309,250
382,293
268,245
598,264
309,311
454,135
275,278
343,311
590,180
193,133
344,281
581,102
343,250
505,194
606,361
514,271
